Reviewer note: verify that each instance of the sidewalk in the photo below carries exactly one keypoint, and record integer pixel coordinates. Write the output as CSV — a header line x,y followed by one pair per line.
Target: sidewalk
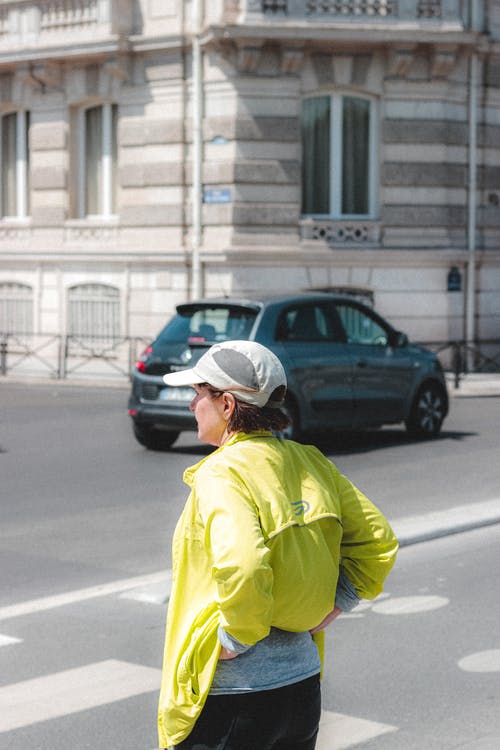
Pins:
x,y
474,384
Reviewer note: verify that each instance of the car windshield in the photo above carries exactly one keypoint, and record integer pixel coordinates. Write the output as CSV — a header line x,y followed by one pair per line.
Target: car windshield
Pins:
x,y
199,324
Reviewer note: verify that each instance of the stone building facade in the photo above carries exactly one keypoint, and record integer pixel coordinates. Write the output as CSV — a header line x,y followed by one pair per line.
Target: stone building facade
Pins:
x,y
155,150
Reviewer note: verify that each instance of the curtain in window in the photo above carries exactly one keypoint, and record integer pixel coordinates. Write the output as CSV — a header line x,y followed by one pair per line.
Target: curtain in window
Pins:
x,y
356,139
316,155
9,128
93,160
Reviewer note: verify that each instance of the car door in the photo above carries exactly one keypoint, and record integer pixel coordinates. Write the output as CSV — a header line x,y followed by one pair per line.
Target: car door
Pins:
x,y
311,338
383,374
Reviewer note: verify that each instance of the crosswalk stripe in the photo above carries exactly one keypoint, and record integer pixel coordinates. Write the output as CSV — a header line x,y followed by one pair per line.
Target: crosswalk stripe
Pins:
x,y
7,640
70,597
341,731
73,690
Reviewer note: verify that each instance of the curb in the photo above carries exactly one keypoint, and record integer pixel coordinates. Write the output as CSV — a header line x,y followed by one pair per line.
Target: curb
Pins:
x,y
423,528
474,385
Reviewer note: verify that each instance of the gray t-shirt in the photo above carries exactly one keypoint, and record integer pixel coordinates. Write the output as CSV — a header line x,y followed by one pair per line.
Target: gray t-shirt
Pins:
x,y
278,660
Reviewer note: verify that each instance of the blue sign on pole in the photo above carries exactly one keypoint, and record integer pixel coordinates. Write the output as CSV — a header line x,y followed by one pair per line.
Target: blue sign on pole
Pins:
x,y
217,195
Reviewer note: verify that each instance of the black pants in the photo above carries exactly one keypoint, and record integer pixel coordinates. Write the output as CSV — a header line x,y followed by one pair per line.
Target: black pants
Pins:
x,y
283,719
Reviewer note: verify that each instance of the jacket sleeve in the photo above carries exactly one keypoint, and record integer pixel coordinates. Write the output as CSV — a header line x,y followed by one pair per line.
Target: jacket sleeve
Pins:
x,y
368,547
239,557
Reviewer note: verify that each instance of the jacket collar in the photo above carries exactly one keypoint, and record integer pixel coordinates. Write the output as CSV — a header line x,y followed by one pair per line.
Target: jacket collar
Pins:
x,y
238,437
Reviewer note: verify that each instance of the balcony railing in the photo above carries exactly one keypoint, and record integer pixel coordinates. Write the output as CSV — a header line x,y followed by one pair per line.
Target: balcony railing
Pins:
x,y
45,23
338,10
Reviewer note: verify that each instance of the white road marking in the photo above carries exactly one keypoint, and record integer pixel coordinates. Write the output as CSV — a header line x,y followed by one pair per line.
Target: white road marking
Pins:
x,y
340,731
440,523
154,593
482,661
7,640
409,605
73,690
70,597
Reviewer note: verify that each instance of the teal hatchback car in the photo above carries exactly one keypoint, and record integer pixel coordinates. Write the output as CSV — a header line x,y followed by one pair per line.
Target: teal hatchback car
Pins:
x,y
347,367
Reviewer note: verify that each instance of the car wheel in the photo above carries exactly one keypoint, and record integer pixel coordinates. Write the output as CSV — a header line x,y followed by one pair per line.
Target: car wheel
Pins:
x,y
292,432
154,439
427,412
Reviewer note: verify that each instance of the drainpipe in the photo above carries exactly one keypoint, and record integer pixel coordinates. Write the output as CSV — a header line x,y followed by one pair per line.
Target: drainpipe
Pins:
x,y
472,213
197,157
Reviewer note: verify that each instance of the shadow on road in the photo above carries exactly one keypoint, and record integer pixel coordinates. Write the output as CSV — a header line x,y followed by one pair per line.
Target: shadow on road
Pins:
x,y
343,442
363,441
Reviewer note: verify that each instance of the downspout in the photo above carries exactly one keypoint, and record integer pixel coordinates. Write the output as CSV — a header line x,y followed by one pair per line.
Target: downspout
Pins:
x,y
197,156
470,312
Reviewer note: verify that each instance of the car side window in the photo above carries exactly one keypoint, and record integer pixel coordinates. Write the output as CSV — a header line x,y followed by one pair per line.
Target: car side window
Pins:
x,y
361,328
313,322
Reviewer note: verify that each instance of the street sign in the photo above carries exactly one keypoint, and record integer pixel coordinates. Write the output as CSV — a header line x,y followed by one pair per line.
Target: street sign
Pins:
x,y
217,195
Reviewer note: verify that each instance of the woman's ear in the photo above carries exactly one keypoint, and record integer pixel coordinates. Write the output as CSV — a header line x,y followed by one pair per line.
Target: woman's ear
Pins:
x,y
228,405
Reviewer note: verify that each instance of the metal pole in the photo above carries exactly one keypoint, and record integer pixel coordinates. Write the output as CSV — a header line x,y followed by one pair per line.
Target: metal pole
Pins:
x,y
197,157
471,228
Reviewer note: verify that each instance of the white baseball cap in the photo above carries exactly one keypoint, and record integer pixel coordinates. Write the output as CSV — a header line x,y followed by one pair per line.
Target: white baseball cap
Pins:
x,y
248,370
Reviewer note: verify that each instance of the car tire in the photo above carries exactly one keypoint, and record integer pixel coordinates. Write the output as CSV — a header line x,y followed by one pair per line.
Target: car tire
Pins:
x,y
154,439
293,431
427,412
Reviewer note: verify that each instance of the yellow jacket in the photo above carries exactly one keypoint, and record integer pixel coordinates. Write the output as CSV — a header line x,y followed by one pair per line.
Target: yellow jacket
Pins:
x,y
259,544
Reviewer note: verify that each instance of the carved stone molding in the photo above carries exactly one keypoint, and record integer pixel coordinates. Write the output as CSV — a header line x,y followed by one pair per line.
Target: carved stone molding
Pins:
x,y
341,233
291,59
443,61
401,60
48,74
248,57
117,67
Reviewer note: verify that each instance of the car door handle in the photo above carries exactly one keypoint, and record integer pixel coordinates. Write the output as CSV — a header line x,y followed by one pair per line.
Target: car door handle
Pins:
x,y
362,363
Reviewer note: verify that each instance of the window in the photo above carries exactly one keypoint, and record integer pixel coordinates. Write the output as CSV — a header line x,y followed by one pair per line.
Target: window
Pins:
x,y
14,164
206,324
315,322
361,328
94,312
16,308
95,167
339,156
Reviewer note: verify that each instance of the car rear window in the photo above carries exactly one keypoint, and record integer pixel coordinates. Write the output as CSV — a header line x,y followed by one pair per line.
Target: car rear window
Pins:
x,y
209,324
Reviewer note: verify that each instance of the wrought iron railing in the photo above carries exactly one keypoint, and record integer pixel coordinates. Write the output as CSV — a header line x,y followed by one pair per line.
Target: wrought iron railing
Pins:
x,y
430,10
462,357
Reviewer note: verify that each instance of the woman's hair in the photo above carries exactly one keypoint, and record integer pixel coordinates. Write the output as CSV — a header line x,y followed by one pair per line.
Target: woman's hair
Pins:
x,y
250,418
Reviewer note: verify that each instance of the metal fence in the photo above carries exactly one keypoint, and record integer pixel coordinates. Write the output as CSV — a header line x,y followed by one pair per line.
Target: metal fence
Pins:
x,y
58,357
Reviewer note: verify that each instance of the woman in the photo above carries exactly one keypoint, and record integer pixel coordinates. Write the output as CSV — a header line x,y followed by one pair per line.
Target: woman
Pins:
x,y
272,545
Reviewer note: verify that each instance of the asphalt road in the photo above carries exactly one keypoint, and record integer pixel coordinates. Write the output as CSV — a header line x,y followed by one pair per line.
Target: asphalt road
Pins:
x,y
83,505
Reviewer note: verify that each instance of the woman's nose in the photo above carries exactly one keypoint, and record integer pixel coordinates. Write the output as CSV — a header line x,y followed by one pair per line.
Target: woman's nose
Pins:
x,y
193,404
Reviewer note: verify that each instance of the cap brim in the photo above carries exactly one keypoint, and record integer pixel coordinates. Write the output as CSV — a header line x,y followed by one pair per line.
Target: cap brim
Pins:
x,y
182,377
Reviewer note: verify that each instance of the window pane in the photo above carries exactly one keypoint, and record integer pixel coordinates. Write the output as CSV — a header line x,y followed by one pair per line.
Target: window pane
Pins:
x,y
9,164
316,155
356,144
114,156
360,328
27,168
93,156
94,312
205,323
16,308
315,322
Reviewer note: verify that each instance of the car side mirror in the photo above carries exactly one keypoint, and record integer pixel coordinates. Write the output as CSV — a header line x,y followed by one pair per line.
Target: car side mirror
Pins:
x,y
398,340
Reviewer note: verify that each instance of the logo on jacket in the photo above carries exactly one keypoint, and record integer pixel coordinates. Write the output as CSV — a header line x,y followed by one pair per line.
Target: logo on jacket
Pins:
x,y
300,507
